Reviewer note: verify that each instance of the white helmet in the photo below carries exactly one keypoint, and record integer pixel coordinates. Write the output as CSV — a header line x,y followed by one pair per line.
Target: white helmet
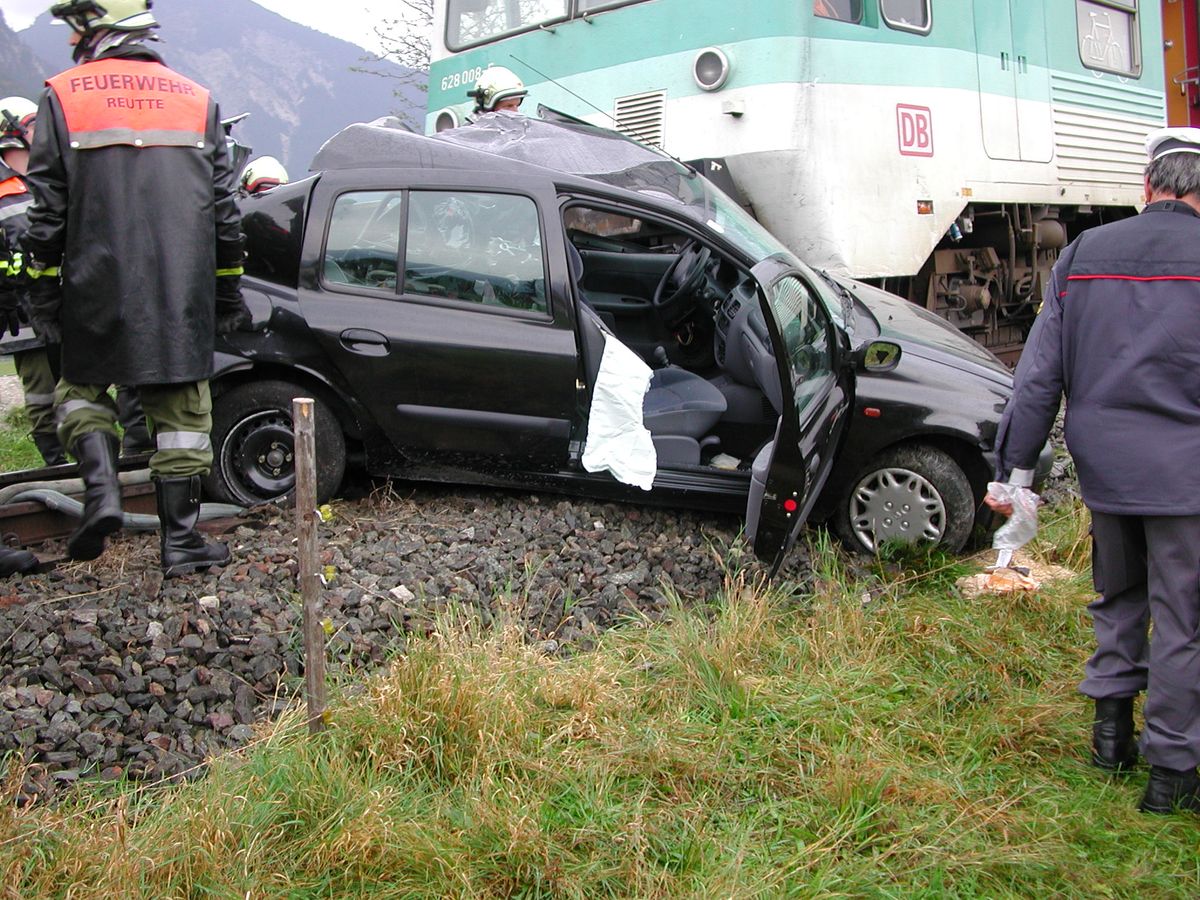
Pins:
x,y
495,84
88,16
262,174
16,115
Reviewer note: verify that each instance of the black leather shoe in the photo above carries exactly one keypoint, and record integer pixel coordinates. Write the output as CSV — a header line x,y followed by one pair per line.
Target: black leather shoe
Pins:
x,y
97,455
183,549
1114,745
1171,790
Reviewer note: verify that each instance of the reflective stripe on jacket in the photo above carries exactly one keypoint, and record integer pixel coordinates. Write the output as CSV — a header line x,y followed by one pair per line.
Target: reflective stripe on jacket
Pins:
x,y
130,101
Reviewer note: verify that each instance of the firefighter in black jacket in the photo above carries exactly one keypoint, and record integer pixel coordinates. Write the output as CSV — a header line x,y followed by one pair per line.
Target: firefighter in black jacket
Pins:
x,y
135,204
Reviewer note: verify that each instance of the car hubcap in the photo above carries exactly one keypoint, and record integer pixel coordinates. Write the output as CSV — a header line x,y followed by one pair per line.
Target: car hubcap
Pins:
x,y
896,503
257,458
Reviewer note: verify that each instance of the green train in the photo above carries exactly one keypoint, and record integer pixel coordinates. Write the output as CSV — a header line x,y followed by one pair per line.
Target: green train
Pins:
x,y
947,149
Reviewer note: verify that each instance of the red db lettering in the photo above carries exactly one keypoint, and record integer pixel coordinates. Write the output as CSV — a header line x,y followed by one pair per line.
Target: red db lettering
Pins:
x,y
914,130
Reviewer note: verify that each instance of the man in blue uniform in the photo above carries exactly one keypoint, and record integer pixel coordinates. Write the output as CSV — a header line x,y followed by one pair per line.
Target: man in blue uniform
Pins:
x,y
1119,337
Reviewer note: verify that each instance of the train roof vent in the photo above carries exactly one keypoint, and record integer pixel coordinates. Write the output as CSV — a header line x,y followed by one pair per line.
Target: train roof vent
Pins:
x,y
640,116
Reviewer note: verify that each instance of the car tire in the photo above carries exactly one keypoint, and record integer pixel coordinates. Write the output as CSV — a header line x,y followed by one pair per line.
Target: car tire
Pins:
x,y
254,445
920,492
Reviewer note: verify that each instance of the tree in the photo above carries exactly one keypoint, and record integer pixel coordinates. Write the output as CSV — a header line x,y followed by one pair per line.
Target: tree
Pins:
x,y
406,42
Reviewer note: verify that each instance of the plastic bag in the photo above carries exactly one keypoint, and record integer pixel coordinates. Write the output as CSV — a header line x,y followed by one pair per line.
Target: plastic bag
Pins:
x,y
1022,525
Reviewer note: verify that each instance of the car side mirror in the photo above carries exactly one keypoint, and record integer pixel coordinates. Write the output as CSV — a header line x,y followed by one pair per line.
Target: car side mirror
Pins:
x,y
877,356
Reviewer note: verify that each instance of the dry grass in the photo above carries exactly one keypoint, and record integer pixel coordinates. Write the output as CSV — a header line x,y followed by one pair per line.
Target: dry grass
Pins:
x,y
774,743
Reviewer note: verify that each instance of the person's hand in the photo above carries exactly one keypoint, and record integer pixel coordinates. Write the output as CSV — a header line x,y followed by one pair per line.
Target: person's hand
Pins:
x,y
45,302
10,309
1004,507
232,312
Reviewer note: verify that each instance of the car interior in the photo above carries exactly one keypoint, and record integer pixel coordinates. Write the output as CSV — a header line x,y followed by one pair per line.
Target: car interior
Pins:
x,y
692,315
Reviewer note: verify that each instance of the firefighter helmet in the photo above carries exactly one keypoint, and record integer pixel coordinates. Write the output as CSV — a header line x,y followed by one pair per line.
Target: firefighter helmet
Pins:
x,y
495,84
263,173
90,16
16,115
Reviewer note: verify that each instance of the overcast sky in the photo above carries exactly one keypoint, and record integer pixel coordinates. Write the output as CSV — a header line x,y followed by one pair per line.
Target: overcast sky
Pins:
x,y
352,20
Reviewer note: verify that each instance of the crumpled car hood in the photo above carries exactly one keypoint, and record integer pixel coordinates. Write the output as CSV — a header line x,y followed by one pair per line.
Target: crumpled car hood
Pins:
x,y
921,333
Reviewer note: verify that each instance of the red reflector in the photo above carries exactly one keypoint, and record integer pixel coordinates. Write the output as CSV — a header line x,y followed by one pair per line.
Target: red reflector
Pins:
x,y
924,207
872,412
789,505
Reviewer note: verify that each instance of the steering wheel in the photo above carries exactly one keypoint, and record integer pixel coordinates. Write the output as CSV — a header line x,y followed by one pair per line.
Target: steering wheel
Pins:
x,y
680,281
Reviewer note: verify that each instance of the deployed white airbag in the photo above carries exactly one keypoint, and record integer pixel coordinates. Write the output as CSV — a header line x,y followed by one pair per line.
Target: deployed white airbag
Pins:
x,y
618,441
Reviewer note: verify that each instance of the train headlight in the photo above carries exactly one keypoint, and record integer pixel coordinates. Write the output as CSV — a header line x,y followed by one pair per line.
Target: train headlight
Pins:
x,y
711,69
445,120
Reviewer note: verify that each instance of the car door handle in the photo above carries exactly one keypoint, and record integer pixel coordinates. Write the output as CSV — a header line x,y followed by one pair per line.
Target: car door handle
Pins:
x,y
365,341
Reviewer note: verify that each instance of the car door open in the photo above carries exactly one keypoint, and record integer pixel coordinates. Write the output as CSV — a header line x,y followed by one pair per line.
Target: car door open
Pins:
x,y
812,399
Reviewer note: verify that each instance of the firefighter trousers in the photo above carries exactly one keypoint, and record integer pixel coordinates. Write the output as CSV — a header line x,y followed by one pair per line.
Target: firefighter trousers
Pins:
x,y
179,416
37,381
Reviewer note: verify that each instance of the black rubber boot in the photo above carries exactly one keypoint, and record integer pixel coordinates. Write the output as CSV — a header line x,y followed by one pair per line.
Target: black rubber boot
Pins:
x,y
1114,747
184,549
1171,790
97,455
51,450
13,562
133,421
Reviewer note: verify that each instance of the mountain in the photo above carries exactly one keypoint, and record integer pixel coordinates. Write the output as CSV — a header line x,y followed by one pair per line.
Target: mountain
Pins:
x,y
298,85
21,72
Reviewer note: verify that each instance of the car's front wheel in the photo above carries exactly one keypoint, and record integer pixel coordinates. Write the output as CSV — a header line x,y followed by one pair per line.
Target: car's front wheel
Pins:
x,y
911,493
254,445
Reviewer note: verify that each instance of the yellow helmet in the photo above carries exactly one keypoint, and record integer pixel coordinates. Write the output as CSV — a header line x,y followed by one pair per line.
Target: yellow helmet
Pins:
x,y
16,115
495,84
263,173
89,16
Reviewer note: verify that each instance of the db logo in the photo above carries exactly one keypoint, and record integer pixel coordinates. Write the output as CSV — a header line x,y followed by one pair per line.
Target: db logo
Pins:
x,y
914,128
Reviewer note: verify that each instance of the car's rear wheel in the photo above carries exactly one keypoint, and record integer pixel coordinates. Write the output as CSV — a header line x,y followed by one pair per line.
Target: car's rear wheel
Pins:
x,y
912,493
254,445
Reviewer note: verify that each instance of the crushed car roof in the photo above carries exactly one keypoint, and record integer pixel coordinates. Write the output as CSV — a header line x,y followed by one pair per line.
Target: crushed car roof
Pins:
x,y
512,142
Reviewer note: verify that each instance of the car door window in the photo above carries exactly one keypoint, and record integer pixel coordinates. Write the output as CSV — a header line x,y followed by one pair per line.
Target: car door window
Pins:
x,y
362,246
475,247
805,332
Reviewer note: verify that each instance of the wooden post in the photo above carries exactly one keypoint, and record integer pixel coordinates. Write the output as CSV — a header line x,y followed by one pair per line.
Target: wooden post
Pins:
x,y
310,576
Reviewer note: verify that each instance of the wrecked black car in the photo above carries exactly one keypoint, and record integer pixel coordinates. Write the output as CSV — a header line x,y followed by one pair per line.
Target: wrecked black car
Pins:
x,y
552,306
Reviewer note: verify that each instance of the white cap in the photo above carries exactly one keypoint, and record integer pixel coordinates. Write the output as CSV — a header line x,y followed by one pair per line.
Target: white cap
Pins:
x,y
1164,141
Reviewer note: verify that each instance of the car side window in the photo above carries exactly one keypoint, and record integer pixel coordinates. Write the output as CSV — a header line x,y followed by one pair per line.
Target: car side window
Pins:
x,y
475,247
805,331
363,244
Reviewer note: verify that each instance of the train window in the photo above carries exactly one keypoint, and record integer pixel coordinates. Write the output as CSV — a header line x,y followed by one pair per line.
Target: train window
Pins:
x,y
1108,35
842,10
476,21
907,15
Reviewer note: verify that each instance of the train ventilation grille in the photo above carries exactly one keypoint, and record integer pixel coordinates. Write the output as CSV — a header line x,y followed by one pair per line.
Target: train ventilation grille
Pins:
x,y
640,116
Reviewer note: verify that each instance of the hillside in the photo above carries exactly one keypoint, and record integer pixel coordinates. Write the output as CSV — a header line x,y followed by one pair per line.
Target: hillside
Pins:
x,y
297,84
21,72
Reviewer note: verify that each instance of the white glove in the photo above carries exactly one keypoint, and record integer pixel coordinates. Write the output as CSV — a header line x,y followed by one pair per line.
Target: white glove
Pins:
x,y
1022,525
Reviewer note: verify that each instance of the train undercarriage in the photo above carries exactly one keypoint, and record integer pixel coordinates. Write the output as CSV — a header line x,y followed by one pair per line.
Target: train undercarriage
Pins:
x,y
988,274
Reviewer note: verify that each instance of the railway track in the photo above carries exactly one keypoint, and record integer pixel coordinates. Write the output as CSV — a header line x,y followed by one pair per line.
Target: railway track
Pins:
x,y
28,523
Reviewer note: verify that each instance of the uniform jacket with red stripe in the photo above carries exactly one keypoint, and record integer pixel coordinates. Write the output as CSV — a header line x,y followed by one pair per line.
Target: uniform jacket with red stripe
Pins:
x,y
1119,337
135,198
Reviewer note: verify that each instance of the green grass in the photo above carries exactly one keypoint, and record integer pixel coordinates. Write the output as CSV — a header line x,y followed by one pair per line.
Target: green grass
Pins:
x,y
873,735
16,446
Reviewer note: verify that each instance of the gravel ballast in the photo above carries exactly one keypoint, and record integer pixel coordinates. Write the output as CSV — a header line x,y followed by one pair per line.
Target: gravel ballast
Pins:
x,y
108,671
